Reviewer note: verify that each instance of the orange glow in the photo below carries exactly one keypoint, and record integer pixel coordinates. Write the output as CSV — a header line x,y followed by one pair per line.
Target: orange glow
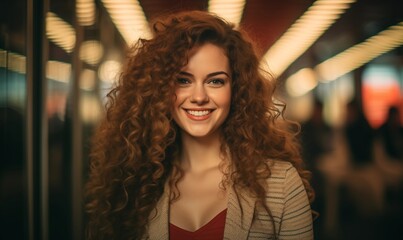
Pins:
x,y
377,100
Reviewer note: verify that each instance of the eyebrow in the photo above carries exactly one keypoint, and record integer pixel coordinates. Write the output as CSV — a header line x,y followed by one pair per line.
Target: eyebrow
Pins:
x,y
208,75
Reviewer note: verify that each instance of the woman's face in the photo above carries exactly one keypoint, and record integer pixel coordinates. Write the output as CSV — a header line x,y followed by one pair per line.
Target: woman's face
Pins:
x,y
203,92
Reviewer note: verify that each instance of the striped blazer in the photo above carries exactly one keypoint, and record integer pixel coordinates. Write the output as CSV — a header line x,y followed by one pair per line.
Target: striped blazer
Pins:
x,y
286,199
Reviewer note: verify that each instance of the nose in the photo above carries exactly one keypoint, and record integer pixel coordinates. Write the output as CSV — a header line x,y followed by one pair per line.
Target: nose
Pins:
x,y
199,95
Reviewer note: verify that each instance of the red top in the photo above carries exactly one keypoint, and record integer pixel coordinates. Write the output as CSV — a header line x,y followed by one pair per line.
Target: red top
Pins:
x,y
213,230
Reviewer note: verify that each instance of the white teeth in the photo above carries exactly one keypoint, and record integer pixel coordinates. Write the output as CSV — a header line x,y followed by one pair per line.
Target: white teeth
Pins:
x,y
198,113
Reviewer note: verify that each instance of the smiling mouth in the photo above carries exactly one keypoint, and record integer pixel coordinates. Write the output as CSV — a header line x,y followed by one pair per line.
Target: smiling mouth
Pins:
x,y
198,113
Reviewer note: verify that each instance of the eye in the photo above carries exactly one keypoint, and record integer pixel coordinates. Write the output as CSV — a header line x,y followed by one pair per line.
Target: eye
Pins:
x,y
182,81
216,81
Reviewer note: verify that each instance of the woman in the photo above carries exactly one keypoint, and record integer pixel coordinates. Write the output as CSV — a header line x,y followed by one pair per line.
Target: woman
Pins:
x,y
193,147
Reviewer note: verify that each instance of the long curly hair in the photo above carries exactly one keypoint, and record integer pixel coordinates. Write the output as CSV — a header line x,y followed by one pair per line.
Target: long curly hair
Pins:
x,y
135,146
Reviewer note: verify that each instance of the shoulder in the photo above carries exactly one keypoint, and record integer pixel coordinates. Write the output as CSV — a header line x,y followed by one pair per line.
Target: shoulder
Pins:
x,y
285,191
284,180
281,172
279,167
287,200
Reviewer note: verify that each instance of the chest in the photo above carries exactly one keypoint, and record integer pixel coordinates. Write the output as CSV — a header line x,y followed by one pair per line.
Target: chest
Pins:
x,y
201,199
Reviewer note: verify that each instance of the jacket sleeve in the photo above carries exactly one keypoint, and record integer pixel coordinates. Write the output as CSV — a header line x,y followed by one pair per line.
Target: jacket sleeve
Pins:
x,y
296,221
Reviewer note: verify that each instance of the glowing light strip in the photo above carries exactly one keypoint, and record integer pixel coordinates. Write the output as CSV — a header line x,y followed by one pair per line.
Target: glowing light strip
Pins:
x,y
230,10
85,10
13,61
303,33
17,63
58,71
298,84
129,19
60,32
301,82
55,70
3,58
360,54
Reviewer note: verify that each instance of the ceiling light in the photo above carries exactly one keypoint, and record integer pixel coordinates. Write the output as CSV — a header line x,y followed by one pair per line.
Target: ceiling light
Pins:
x,y
108,71
60,32
129,19
301,82
230,10
87,79
90,109
91,52
85,11
361,53
302,34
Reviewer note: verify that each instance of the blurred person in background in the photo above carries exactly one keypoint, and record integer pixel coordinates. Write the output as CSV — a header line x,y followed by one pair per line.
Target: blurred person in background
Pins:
x,y
391,133
193,144
316,136
362,179
370,185
391,136
317,142
360,136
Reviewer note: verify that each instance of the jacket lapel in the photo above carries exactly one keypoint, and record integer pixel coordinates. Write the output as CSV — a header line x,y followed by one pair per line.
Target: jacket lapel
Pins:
x,y
240,212
159,225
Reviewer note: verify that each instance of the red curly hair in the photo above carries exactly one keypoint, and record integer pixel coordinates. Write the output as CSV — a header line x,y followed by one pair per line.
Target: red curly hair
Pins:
x,y
135,147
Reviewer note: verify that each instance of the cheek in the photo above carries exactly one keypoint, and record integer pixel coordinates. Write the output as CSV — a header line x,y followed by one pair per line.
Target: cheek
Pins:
x,y
226,99
179,96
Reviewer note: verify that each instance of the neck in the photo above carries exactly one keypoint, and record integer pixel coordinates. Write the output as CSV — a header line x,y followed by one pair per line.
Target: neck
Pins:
x,y
200,154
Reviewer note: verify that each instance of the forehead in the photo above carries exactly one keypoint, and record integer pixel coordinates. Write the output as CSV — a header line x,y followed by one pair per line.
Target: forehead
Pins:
x,y
207,57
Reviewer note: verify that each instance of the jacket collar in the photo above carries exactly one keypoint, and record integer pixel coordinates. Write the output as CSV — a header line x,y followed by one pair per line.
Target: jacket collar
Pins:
x,y
159,218
238,220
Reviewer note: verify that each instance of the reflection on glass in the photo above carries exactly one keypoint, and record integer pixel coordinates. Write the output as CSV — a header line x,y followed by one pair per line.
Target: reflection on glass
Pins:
x,y
62,38
12,107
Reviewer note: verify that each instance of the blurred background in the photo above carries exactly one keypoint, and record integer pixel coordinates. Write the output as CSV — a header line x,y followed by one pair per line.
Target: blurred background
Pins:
x,y
339,65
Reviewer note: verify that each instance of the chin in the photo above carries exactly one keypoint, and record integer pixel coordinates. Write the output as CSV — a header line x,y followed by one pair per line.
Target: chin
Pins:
x,y
200,133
